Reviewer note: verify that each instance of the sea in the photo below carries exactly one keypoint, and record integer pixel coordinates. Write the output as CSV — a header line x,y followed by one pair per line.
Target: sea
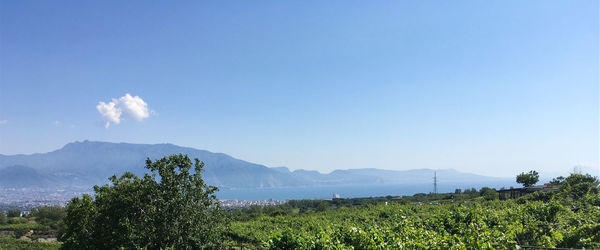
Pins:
x,y
350,191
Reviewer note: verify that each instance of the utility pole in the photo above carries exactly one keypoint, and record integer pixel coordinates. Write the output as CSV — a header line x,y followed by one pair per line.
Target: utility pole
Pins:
x,y
435,182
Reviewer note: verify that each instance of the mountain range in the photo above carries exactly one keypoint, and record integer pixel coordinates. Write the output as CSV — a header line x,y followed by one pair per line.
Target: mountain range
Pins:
x,y
84,164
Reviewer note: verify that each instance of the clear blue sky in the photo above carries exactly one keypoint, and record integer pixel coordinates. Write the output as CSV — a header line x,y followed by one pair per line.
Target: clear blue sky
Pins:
x,y
490,87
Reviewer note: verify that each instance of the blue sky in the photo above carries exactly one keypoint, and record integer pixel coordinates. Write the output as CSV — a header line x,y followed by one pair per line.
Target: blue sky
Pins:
x,y
490,87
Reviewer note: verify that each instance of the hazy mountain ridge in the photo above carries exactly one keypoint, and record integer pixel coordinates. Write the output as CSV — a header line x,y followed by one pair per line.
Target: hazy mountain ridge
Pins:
x,y
18,176
87,163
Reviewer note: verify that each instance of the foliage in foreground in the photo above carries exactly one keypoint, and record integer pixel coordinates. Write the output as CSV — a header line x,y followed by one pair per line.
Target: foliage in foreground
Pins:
x,y
176,210
570,218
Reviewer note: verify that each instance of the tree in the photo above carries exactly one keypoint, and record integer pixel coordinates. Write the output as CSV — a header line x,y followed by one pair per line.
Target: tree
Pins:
x,y
13,213
488,193
170,208
51,216
577,186
558,181
2,218
323,206
528,179
53,213
79,223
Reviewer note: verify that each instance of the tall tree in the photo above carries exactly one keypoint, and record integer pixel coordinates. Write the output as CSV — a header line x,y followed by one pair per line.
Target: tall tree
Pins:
x,y
170,208
13,213
528,179
79,223
2,218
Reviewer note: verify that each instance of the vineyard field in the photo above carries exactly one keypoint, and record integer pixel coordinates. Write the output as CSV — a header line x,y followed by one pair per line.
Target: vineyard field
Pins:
x,y
472,225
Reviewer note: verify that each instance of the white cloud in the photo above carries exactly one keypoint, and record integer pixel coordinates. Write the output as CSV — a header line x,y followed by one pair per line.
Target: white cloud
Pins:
x,y
110,112
57,123
126,106
134,106
2,122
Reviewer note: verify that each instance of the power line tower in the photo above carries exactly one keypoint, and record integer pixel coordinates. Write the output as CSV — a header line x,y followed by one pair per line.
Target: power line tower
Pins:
x,y
435,182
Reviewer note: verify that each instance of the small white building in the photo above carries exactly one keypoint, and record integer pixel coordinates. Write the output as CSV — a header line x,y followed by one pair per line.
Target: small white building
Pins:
x,y
336,196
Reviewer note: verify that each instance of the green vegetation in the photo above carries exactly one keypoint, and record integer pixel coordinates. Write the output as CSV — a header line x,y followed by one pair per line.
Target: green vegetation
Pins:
x,y
297,207
570,218
172,208
13,213
528,179
487,224
50,217
9,243
23,226
42,223
177,210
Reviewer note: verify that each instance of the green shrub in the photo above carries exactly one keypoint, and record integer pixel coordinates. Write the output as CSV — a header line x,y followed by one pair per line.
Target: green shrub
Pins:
x,y
48,213
10,243
13,213
3,219
544,196
17,220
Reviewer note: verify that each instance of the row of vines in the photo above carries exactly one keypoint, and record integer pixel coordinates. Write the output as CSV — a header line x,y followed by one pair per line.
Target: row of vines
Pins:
x,y
558,222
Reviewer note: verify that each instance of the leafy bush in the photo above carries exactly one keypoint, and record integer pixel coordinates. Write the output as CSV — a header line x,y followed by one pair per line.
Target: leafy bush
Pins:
x,y
544,196
174,210
17,220
13,213
20,232
3,218
48,213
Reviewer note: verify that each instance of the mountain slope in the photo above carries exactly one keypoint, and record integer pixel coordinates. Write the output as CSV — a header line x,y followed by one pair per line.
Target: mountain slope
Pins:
x,y
86,163
21,176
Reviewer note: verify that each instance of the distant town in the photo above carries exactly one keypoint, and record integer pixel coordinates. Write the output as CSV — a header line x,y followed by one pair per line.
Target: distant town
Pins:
x,y
25,199
242,203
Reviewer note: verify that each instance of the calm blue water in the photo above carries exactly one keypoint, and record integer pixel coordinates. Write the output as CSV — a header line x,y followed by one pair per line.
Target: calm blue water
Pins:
x,y
326,192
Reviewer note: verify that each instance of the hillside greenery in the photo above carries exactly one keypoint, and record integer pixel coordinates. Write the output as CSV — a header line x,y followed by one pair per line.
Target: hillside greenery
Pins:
x,y
40,225
472,220
172,208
